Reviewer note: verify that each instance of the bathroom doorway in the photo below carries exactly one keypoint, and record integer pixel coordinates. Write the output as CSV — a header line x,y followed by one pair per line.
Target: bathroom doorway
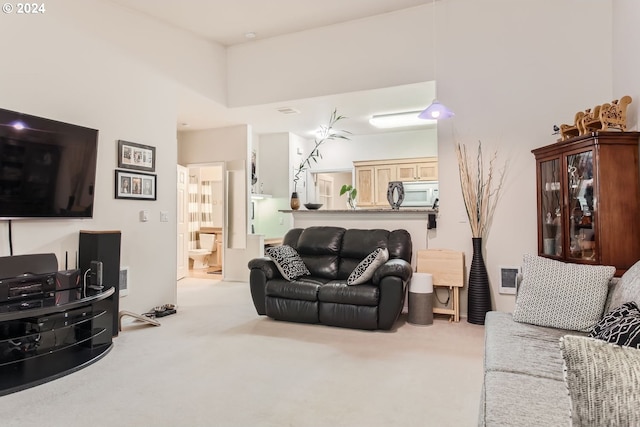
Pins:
x,y
205,220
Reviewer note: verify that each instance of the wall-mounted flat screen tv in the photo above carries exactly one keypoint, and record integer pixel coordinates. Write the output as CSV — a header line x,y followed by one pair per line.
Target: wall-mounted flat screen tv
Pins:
x,y
47,168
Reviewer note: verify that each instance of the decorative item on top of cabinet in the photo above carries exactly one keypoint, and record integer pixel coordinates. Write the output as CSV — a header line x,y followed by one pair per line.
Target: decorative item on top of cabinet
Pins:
x,y
588,198
601,118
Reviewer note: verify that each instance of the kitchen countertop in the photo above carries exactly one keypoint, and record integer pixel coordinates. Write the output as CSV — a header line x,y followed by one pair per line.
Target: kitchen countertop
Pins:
x,y
357,211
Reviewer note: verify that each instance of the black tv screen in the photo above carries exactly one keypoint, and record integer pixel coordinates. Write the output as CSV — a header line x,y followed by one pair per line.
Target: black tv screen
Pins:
x,y
47,168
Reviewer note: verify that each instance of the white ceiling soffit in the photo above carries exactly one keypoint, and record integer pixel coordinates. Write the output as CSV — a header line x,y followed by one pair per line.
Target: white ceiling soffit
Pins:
x,y
357,107
227,21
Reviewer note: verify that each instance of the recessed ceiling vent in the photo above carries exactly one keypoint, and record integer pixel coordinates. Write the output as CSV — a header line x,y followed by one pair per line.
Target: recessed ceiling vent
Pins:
x,y
288,110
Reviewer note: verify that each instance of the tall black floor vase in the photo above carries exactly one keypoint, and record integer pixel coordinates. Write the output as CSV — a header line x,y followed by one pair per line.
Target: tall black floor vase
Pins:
x,y
478,294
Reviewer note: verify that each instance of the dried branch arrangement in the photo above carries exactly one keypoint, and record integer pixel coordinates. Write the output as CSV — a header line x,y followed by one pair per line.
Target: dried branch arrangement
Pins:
x,y
480,190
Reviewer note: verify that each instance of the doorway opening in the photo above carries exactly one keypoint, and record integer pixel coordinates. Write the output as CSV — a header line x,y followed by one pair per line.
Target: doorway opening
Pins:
x,y
326,188
205,229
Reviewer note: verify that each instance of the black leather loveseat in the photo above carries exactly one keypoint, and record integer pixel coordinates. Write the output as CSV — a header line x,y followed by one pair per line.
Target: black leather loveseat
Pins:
x,y
331,254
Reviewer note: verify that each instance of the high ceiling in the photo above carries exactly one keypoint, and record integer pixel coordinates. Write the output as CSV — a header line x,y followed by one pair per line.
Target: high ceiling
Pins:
x,y
228,21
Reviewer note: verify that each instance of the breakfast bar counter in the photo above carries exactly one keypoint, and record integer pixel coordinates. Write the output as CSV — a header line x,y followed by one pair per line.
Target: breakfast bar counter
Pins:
x,y
414,220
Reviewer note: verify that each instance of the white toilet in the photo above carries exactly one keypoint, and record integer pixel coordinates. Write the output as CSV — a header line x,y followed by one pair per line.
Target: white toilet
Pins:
x,y
200,256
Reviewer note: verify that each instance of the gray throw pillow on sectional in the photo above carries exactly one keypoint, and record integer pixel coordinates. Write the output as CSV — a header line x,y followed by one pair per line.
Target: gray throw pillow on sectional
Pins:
x,y
364,271
561,295
627,289
603,381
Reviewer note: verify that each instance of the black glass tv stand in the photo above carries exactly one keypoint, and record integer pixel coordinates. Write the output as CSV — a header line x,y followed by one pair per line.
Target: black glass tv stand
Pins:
x,y
42,339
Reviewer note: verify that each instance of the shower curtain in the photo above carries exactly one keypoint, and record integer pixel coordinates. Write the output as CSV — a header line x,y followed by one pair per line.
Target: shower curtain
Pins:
x,y
206,204
200,208
193,212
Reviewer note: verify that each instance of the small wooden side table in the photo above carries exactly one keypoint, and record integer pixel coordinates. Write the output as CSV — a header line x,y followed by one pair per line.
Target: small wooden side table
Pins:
x,y
447,269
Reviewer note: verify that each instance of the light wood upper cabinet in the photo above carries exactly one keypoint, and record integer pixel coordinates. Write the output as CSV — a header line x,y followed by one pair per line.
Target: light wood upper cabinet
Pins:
x,y
373,177
383,175
365,185
421,171
427,171
407,172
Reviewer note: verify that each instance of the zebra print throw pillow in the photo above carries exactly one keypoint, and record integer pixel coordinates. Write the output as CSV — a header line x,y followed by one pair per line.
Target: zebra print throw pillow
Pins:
x,y
288,262
620,326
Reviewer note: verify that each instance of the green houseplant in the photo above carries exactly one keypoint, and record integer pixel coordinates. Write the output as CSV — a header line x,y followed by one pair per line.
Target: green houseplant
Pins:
x,y
327,133
351,193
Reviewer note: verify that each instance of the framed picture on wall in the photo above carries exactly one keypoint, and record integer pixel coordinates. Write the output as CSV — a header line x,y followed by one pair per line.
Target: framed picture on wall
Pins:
x,y
135,185
136,156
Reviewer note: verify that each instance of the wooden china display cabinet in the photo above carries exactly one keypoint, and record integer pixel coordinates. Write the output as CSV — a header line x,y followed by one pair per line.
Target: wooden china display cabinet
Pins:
x,y
588,191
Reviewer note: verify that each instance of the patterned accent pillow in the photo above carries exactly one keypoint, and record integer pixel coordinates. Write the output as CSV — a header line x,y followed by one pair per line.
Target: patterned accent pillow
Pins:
x,y
364,271
288,262
628,287
620,326
561,295
603,381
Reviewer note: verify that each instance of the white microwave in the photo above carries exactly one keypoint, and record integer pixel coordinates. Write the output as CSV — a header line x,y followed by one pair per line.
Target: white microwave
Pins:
x,y
420,193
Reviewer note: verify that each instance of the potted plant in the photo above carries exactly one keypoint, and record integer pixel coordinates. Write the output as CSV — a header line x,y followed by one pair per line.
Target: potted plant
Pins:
x,y
351,193
326,133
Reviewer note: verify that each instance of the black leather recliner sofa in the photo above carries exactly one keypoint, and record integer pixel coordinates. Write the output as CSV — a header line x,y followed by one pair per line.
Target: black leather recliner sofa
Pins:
x,y
331,254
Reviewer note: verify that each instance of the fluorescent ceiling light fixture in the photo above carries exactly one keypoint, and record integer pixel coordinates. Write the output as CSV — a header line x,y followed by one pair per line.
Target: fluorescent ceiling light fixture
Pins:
x,y
398,120
436,111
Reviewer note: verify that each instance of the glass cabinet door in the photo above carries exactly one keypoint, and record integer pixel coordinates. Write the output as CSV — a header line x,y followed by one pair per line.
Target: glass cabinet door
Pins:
x,y
551,211
579,183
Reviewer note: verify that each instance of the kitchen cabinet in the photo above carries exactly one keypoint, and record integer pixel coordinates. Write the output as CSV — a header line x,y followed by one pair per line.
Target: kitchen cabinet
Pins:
x,y
365,185
372,177
421,171
588,199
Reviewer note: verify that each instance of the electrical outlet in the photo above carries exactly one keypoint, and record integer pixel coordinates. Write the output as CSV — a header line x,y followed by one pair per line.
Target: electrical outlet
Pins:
x,y
164,216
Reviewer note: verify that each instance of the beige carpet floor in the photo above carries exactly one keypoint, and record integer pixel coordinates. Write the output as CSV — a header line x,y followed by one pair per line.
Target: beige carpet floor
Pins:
x,y
216,363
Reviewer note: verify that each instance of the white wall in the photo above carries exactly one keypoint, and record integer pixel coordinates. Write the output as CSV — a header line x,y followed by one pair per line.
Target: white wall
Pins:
x,y
626,57
372,53
509,81
94,64
273,173
510,70
340,154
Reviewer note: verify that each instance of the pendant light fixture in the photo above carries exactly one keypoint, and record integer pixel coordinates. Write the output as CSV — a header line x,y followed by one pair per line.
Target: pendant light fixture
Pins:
x,y
435,111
